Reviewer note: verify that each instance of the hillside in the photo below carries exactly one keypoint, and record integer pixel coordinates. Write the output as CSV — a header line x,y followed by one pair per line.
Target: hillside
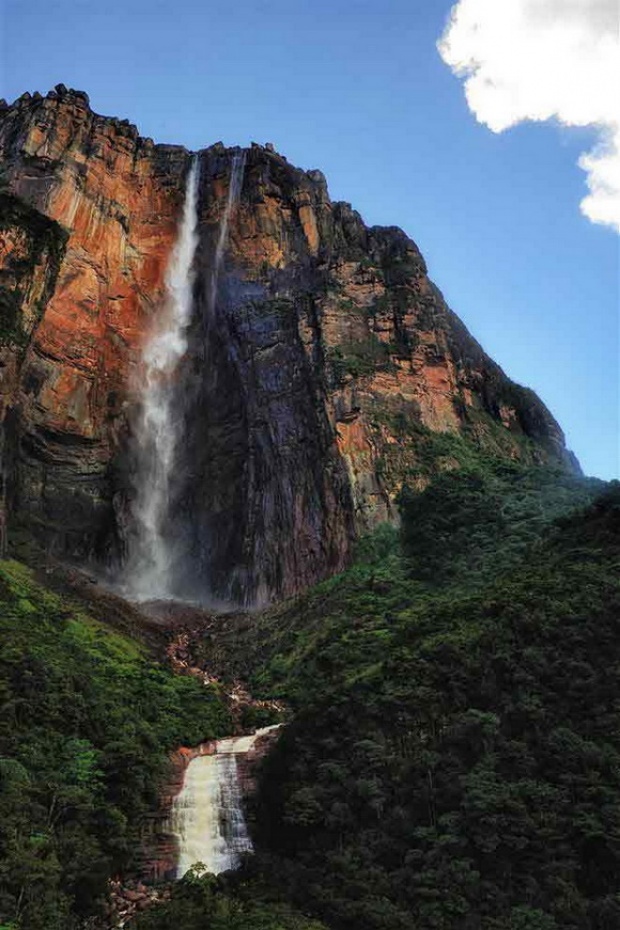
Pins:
x,y
453,758
88,720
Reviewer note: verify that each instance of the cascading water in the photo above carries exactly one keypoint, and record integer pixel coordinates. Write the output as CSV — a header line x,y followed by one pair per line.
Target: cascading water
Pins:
x,y
156,557
234,190
207,816
149,570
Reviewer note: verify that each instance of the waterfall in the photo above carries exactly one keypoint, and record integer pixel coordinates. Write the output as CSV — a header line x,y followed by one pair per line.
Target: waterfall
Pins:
x,y
207,815
149,571
234,190
154,553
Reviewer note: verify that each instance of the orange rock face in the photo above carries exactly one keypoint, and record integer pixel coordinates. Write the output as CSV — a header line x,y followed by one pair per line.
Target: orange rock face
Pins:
x,y
31,250
116,198
328,373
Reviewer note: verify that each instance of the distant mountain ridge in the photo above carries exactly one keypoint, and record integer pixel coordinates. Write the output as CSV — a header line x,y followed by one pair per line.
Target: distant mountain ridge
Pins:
x,y
328,374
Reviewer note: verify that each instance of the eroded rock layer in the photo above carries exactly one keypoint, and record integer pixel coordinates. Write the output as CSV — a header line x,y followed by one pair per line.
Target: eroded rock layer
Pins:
x,y
324,368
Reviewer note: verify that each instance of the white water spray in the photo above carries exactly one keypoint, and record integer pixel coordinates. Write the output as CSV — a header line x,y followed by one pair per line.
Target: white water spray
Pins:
x,y
150,564
207,815
234,190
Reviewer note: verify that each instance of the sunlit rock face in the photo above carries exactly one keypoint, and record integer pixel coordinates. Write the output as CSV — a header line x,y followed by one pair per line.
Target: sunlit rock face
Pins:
x,y
320,357
117,198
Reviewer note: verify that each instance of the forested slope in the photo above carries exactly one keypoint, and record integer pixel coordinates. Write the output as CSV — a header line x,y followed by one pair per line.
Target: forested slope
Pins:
x,y
455,757
87,721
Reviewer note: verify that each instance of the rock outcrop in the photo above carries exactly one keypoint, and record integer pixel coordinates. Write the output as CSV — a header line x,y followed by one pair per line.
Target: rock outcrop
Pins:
x,y
328,373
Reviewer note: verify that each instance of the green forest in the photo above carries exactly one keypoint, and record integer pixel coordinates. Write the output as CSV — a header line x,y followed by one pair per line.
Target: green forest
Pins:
x,y
454,761
452,758
87,722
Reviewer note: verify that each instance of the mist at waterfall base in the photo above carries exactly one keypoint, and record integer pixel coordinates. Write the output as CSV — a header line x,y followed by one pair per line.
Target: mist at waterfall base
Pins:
x,y
207,817
167,547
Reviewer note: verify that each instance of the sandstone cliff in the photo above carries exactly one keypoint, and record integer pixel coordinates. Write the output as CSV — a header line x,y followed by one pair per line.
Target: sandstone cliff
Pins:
x,y
328,372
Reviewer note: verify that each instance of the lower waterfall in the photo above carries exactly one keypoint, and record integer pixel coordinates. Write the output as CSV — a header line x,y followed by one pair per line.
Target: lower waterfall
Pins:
x,y
207,816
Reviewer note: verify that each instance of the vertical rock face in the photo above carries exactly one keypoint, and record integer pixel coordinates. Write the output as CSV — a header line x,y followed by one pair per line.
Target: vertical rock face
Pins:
x,y
114,197
31,250
267,492
324,370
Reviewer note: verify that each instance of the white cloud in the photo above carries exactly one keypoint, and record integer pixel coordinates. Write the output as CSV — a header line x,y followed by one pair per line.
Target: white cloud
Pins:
x,y
542,60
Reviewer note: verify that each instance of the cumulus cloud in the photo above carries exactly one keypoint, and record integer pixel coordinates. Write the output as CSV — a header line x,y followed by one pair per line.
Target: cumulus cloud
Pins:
x,y
544,60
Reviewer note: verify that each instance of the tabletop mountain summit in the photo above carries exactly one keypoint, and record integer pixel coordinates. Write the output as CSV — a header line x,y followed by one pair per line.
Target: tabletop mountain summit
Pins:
x,y
207,342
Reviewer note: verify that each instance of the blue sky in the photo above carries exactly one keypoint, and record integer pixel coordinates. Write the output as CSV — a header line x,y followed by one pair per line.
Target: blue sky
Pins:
x,y
358,89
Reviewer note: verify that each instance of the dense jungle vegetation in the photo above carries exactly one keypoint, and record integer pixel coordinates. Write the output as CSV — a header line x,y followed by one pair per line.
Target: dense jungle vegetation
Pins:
x,y
86,723
453,761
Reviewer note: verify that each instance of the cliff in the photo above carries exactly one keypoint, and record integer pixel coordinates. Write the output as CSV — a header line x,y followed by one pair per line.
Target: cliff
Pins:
x,y
328,372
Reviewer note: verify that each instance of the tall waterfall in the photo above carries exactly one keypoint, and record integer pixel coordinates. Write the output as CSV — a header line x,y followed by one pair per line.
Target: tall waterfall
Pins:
x,y
149,571
154,553
234,190
207,815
